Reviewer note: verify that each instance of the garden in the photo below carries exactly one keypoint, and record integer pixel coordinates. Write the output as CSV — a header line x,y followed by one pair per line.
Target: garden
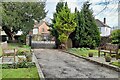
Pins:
x,y
24,68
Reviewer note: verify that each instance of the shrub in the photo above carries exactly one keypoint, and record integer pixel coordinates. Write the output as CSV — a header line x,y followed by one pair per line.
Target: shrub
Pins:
x,y
108,58
115,36
25,64
9,66
28,57
22,52
90,54
22,39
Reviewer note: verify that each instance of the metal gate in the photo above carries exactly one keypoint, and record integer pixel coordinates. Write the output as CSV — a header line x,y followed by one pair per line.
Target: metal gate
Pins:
x,y
40,42
43,44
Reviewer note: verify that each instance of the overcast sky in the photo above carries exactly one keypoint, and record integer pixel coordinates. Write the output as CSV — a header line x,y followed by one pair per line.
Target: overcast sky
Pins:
x,y
110,12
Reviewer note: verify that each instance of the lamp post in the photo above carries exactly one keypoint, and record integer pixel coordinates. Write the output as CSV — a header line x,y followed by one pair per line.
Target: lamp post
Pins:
x,y
30,38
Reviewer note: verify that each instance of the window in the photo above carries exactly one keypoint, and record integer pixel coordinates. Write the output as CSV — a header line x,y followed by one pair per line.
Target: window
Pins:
x,y
43,30
100,29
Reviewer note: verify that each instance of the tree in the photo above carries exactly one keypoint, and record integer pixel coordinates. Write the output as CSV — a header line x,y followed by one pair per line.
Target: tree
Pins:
x,y
53,30
86,33
115,36
21,15
64,24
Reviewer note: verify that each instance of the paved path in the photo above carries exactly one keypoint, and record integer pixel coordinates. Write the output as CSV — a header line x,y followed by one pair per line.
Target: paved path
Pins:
x,y
57,64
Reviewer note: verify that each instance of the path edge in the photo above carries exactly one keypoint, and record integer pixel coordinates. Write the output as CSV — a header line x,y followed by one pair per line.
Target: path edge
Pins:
x,y
40,73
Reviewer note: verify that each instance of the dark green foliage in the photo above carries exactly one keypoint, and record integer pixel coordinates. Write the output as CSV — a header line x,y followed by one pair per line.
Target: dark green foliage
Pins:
x,y
9,66
115,36
20,16
86,33
22,39
25,64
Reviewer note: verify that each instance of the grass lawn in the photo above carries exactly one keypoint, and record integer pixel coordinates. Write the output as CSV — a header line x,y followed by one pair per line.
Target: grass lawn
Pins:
x,y
116,64
20,73
83,51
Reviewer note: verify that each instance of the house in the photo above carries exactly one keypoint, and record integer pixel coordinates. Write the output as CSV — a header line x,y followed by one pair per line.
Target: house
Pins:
x,y
104,29
115,27
41,29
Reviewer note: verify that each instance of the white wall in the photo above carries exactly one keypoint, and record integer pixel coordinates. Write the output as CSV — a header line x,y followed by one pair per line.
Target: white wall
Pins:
x,y
105,31
35,31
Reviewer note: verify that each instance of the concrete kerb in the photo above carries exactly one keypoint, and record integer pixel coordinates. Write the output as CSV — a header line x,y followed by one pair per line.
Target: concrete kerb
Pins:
x,y
96,62
38,68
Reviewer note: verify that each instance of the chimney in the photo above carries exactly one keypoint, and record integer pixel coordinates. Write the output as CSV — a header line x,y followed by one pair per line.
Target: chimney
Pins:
x,y
104,20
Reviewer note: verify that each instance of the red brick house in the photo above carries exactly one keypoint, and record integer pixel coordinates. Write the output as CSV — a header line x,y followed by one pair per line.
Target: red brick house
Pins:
x,y
42,29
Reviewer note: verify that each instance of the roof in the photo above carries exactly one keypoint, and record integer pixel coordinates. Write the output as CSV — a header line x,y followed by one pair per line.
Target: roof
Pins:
x,y
39,24
101,24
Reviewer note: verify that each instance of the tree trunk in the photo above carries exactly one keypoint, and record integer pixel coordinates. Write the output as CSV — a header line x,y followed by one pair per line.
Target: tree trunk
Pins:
x,y
66,47
57,43
8,32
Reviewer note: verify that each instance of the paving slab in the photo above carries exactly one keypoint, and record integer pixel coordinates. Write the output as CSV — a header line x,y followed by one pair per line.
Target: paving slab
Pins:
x,y
102,60
58,64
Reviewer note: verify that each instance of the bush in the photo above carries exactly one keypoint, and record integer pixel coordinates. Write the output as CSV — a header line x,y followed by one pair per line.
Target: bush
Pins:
x,y
25,64
22,52
22,39
28,57
90,54
9,66
115,36
108,58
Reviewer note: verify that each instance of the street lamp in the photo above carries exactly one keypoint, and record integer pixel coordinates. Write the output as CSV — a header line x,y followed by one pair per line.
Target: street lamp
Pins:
x,y
30,38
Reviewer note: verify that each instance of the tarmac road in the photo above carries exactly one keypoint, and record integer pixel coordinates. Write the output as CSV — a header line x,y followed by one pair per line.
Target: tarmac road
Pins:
x,y
57,64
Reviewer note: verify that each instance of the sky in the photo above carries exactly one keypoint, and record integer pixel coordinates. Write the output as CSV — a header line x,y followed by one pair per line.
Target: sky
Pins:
x,y
101,9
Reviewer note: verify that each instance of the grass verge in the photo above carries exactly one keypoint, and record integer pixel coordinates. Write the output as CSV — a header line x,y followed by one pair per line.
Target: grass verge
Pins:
x,y
116,64
20,73
20,70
